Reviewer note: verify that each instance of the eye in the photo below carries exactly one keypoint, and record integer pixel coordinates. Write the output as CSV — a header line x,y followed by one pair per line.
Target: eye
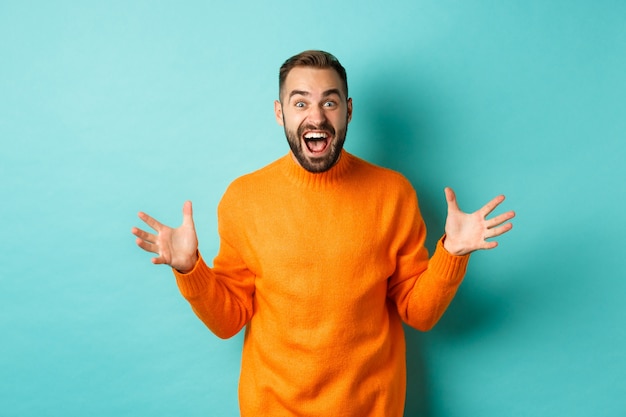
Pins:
x,y
300,104
329,103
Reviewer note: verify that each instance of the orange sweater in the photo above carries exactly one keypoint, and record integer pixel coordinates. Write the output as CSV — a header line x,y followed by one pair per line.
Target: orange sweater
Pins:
x,y
321,269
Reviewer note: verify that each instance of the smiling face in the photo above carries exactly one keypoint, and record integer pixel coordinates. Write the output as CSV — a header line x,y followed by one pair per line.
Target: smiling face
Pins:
x,y
315,112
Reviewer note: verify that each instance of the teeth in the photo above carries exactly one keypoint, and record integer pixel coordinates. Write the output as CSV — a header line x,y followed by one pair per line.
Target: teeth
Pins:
x,y
315,135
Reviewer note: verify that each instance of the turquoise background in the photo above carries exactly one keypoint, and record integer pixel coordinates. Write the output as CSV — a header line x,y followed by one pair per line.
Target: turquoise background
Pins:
x,y
108,108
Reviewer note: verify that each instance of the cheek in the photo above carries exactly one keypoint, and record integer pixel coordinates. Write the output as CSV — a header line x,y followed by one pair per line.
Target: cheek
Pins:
x,y
341,119
292,121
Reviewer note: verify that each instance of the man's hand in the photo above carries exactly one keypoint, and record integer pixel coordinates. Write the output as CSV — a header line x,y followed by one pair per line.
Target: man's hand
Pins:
x,y
466,233
177,248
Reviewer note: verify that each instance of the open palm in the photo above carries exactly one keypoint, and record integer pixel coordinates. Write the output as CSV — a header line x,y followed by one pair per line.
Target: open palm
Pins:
x,y
175,247
466,233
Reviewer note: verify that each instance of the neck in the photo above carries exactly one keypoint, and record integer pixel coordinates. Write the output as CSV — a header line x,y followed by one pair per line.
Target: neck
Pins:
x,y
318,179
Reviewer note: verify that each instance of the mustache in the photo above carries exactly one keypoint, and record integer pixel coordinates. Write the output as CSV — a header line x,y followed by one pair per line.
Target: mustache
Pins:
x,y
322,126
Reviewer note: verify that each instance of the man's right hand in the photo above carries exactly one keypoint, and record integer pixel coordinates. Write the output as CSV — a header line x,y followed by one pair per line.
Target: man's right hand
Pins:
x,y
177,248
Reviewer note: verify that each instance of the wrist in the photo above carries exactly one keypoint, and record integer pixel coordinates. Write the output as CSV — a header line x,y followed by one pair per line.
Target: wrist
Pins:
x,y
452,247
189,265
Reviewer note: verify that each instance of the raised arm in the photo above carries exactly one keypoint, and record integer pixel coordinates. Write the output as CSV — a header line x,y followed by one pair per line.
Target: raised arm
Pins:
x,y
423,298
177,247
222,296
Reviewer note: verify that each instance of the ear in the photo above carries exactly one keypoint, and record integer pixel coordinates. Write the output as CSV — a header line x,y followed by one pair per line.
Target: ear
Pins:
x,y
278,112
349,109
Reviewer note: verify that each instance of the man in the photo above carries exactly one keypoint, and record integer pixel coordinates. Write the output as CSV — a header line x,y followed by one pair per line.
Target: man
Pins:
x,y
321,259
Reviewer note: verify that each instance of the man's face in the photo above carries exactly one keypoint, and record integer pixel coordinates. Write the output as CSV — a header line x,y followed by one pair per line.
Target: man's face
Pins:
x,y
315,113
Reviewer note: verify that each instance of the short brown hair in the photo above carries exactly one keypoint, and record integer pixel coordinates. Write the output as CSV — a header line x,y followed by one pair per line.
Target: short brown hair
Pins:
x,y
316,59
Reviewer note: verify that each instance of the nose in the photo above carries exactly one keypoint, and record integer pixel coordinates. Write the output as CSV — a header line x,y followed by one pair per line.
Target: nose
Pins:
x,y
317,115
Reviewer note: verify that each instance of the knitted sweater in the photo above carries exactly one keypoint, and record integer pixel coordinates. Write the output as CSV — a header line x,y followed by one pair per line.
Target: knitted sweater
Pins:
x,y
321,269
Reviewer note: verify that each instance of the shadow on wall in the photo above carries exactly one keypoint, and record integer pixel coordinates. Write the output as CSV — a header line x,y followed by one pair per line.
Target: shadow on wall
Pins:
x,y
403,134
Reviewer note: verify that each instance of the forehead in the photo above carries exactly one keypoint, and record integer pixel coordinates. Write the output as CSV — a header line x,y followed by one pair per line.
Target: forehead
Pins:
x,y
312,80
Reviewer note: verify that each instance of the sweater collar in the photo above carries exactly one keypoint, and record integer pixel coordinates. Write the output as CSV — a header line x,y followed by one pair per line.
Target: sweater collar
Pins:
x,y
302,177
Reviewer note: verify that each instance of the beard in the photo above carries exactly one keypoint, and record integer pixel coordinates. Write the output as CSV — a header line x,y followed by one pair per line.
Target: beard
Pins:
x,y
321,163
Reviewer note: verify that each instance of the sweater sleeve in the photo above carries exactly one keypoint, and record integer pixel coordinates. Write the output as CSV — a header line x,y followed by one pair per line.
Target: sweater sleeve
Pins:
x,y
223,301
222,296
422,288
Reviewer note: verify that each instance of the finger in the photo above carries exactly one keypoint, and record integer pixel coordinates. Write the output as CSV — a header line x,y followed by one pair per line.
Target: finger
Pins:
x,y
500,230
498,220
187,213
143,235
147,246
490,245
491,206
158,261
150,221
451,199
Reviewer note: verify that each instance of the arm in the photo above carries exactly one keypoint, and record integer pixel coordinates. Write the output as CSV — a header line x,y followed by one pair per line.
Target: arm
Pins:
x,y
222,296
423,288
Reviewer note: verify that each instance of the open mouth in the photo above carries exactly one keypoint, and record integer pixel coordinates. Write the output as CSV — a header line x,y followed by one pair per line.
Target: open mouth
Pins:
x,y
316,142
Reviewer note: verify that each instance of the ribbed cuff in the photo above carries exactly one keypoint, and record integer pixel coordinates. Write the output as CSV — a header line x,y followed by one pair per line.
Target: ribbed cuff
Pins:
x,y
195,281
444,264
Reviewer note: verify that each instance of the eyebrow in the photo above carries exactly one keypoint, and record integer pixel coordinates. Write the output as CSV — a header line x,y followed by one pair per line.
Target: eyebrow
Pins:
x,y
326,93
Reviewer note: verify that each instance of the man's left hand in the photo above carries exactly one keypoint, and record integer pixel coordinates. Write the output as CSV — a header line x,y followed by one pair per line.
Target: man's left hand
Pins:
x,y
466,233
